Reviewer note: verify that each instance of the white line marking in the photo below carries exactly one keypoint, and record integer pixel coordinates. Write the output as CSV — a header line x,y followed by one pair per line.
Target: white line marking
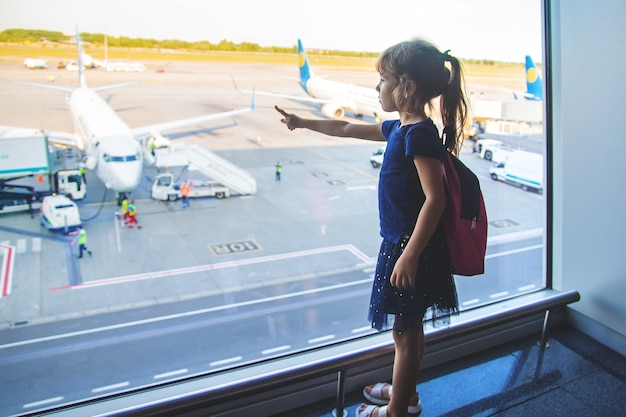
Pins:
x,y
276,349
225,361
510,252
21,246
470,302
499,294
36,244
526,288
361,329
511,237
170,374
43,402
321,339
180,315
110,387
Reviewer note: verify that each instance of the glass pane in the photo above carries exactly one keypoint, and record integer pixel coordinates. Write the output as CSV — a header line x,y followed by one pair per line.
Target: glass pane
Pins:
x,y
276,250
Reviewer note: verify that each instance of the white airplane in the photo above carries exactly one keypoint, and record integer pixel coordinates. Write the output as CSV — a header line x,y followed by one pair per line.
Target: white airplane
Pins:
x,y
336,98
113,150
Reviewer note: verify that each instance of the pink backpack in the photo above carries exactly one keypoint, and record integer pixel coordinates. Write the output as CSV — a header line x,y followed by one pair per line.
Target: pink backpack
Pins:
x,y
464,218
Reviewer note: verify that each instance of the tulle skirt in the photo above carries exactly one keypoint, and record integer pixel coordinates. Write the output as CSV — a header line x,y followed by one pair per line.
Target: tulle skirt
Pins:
x,y
433,298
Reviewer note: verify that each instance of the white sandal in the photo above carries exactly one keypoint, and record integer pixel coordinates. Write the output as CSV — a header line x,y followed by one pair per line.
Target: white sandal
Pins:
x,y
375,396
369,410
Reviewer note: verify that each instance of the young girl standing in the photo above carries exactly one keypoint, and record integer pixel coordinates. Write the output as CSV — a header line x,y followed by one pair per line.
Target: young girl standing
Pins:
x,y
413,270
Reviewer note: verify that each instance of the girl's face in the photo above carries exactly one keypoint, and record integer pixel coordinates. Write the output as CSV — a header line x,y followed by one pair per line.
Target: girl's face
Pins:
x,y
385,88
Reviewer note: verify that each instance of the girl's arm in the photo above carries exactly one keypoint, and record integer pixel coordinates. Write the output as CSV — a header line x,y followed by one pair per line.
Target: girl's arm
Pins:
x,y
333,127
431,178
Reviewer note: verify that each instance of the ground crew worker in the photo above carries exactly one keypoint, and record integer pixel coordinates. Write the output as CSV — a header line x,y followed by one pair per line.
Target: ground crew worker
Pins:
x,y
125,209
82,242
83,173
184,193
132,215
152,146
279,168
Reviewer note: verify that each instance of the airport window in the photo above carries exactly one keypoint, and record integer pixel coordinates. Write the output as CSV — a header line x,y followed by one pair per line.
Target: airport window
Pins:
x,y
242,240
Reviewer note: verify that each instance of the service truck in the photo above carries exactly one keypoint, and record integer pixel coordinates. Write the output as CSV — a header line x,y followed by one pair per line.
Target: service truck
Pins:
x,y
521,168
165,187
27,174
491,150
377,157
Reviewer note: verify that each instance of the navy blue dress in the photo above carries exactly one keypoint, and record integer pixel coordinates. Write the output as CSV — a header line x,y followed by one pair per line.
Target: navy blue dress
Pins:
x,y
400,199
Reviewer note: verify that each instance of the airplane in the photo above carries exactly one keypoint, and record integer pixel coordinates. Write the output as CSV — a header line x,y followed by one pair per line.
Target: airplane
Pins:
x,y
113,149
336,98
534,83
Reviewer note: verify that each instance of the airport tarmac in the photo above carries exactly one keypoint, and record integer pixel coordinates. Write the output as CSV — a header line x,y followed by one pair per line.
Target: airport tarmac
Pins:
x,y
322,216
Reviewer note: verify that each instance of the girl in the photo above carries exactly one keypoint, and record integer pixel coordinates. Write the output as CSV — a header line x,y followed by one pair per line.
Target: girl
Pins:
x,y
413,270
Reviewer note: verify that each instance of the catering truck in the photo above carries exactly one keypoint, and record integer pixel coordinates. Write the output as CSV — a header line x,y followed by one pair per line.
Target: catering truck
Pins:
x,y
226,179
164,187
27,174
521,168
491,150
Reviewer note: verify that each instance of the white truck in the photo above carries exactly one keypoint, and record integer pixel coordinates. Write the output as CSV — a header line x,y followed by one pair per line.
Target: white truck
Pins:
x,y
521,168
165,188
491,150
27,174
377,157
218,169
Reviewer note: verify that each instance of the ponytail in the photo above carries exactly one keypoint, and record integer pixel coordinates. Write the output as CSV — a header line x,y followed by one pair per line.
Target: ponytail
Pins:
x,y
453,107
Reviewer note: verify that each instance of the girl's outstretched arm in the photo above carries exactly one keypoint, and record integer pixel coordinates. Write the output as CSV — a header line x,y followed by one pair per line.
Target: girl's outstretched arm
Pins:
x,y
333,127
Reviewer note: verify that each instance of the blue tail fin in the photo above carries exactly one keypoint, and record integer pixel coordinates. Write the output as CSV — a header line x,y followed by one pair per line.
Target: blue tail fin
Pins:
x,y
534,84
305,70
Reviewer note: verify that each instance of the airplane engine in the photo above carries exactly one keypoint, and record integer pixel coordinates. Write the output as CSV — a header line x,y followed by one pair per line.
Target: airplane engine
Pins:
x,y
332,111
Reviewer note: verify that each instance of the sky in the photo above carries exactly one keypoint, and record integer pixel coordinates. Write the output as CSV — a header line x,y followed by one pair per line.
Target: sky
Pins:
x,y
501,30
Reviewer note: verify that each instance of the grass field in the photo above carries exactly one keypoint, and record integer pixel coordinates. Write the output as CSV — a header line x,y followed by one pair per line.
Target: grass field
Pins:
x,y
17,53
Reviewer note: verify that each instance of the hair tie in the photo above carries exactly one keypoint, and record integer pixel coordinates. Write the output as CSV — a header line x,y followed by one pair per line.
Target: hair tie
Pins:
x,y
448,131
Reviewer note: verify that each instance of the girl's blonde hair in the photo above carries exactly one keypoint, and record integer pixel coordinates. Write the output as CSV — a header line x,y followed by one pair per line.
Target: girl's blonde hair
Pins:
x,y
421,62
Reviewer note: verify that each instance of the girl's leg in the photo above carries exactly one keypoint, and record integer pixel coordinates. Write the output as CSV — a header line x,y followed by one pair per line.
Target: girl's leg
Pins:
x,y
409,348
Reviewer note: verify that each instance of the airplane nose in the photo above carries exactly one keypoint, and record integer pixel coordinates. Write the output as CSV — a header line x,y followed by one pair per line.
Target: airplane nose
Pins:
x,y
126,177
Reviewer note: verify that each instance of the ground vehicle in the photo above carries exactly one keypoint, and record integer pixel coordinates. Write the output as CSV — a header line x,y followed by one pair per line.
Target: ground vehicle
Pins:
x,y
26,171
521,168
377,158
59,213
491,150
164,188
211,165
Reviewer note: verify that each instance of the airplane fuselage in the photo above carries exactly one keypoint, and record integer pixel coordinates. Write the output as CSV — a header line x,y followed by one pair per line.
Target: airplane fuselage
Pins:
x,y
356,99
112,150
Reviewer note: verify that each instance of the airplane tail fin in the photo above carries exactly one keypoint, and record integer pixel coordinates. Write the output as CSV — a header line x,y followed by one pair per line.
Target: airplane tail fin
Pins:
x,y
305,69
81,75
534,84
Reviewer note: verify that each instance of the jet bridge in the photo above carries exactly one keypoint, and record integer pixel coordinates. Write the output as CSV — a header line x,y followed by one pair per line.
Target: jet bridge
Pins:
x,y
213,166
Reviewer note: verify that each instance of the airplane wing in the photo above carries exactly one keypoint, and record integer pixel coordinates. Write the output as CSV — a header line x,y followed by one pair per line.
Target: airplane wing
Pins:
x,y
296,98
144,131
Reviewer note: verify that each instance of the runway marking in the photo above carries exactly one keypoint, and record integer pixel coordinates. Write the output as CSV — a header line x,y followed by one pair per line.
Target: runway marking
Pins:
x,y
6,275
321,339
110,387
170,374
43,402
226,361
209,267
499,294
276,349
470,302
185,314
361,329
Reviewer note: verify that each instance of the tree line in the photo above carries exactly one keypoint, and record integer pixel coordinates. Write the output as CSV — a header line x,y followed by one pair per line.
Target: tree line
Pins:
x,y
29,36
